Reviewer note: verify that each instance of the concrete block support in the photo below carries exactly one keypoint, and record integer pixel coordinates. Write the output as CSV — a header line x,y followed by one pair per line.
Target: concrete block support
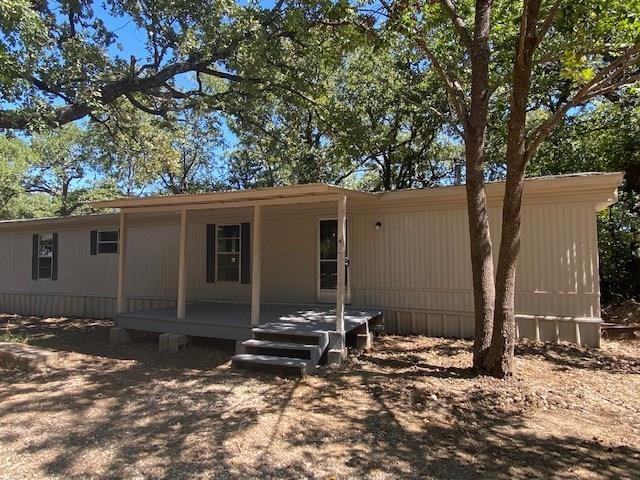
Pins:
x,y
119,336
337,349
364,341
336,356
172,343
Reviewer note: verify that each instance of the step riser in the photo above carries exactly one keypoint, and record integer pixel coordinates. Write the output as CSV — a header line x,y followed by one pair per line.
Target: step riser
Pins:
x,y
281,337
276,352
259,367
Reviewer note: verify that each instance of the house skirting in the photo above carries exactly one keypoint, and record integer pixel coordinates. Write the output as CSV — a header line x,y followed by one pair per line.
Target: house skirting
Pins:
x,y
580,330
91,306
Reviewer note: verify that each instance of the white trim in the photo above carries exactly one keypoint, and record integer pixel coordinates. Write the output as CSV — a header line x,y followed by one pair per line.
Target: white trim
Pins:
x,y
328,295
216,252
50,257
342,265
121,303
182,267
256,265
235,204
98,242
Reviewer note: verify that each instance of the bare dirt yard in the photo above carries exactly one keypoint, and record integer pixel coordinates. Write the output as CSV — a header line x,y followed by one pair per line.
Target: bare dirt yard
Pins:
x,y
409,409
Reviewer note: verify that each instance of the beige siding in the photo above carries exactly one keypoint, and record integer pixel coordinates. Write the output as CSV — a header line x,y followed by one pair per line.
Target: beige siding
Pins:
x,y
420,260
416,267
79,273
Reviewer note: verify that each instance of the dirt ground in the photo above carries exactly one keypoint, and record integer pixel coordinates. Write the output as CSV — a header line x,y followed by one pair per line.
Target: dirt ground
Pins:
x,y
409,408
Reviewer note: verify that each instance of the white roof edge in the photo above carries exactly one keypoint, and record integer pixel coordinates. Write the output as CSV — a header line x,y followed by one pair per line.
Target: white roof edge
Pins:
x,y
549,184
230,196
70,220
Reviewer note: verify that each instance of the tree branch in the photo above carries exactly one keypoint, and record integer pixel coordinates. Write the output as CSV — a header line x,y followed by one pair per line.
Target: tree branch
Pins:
x,y
458,23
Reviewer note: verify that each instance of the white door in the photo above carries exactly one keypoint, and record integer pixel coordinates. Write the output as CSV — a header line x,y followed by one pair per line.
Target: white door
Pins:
x,y
328,261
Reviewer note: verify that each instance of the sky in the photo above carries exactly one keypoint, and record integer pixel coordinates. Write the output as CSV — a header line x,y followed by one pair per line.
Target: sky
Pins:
x,y
131,40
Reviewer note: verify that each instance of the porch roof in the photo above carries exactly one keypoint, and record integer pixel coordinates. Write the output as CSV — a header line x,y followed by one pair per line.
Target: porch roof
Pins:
x,y
235,198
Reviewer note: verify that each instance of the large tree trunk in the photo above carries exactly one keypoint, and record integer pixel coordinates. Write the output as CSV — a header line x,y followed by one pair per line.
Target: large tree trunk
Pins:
x,y
480,237
499,360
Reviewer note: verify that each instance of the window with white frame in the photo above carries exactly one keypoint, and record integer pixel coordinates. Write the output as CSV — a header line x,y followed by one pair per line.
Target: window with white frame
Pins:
x,y
45,255
107,241
228,253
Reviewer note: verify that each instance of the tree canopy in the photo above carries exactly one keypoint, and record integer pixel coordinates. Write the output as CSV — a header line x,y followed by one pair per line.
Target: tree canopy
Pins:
x,y
376,95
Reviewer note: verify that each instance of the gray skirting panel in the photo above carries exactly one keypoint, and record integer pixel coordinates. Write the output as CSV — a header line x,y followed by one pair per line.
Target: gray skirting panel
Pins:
x,y
583,331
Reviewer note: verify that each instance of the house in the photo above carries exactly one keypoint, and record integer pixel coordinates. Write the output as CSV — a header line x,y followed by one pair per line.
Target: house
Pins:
x,y
226,264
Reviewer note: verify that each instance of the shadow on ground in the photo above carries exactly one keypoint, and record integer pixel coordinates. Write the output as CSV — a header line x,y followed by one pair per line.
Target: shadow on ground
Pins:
x,y
129,411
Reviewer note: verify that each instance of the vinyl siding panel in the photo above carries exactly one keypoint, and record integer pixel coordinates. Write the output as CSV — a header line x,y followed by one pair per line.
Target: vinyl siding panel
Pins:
x,y
416,267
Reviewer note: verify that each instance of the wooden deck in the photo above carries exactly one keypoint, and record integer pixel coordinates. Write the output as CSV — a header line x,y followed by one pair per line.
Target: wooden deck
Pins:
x,y
232,321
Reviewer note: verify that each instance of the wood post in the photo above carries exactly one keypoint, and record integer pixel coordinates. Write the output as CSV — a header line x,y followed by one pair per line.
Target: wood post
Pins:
x,y
182,267
342,235
256,254
121,305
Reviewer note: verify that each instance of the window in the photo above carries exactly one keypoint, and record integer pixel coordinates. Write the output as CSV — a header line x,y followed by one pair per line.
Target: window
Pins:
x,y
45,255
107,241
228,253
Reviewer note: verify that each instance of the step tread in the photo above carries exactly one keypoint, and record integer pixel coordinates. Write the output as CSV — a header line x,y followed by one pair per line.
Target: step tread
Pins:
x,y
280,345
271,360
290,331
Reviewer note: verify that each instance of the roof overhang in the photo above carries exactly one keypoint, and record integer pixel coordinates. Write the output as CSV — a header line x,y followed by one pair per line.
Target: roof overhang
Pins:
x,y
599,188
310,193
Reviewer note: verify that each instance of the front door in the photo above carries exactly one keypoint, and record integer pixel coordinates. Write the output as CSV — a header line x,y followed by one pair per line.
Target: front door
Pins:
x,y
328,261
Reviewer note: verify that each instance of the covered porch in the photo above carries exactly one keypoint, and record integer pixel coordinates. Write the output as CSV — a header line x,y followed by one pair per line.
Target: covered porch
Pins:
x,y
199,315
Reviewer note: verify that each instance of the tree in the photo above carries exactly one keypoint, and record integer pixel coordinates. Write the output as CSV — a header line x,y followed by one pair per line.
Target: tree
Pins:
x,y
382,115
604,137
460,56
58,66
606,66
59,169
15,158
578,66
194,136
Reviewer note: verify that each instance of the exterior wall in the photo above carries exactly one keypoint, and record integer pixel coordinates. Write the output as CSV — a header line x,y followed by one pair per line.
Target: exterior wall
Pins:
x,y
557,270
415,267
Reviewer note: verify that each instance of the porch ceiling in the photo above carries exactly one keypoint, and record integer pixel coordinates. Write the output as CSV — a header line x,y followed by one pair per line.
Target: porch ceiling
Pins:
x,y
238,198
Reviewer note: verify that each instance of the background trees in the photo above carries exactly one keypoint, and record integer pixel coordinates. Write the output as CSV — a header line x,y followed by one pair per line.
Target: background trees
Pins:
x,y
375,95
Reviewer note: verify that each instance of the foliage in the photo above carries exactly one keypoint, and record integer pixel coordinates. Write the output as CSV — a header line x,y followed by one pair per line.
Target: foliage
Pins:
x,y
60,169
605,137
15,157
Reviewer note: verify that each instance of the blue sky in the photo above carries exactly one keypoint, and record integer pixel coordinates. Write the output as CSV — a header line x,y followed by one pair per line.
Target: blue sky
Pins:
x,y
131,40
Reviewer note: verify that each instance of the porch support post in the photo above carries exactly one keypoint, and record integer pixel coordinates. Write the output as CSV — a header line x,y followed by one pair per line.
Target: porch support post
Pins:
x,y
256,255
182,267
121,303
342,235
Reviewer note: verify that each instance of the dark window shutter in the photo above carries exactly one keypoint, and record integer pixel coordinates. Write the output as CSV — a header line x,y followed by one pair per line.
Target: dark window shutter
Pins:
x,y
34,256
54,259
211,253
94,242
245,253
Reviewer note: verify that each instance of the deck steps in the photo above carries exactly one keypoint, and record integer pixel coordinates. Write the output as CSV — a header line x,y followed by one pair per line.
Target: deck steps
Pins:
x,y
289,351
296,348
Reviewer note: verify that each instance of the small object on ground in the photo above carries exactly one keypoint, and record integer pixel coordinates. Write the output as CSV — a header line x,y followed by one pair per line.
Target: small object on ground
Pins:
x,y
26,357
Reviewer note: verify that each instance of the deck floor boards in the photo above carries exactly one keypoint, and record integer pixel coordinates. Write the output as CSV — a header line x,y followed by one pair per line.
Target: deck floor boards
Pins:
x,y
233,320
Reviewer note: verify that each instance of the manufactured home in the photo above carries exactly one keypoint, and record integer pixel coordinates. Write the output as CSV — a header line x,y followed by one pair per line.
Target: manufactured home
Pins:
x,y
224,264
